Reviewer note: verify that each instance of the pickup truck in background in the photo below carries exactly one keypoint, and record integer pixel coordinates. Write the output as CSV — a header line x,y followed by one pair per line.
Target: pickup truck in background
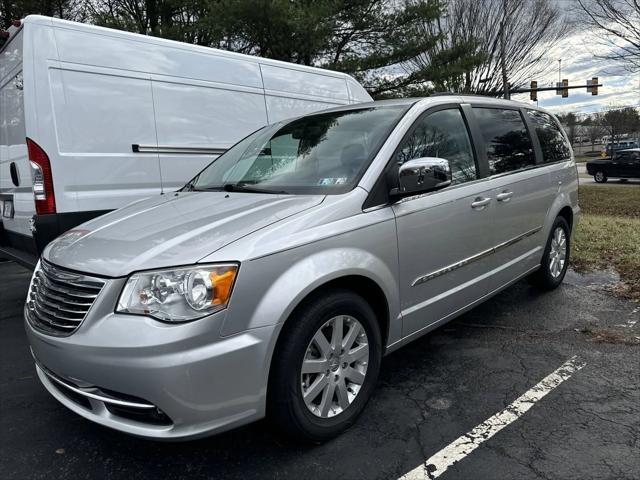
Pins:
x,y
623,164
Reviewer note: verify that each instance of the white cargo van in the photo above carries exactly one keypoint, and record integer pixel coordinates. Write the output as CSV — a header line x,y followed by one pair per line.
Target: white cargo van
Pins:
x,y
92,119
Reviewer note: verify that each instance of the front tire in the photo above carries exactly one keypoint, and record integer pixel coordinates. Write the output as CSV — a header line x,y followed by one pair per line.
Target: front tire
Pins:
x,y
600,177
555,260
325,366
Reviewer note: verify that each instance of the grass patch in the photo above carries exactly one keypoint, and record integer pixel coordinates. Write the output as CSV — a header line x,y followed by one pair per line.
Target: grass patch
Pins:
x,y
608,234
612,200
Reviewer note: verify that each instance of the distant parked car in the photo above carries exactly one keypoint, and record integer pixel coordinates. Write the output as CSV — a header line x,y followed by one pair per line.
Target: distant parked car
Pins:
x,y
623,164
622,145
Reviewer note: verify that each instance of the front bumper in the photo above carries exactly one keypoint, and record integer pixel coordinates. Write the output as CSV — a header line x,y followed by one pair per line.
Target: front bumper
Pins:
x,y
155,380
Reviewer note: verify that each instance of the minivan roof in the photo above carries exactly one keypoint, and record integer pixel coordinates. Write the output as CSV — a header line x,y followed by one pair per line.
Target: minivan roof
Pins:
x,y
440,98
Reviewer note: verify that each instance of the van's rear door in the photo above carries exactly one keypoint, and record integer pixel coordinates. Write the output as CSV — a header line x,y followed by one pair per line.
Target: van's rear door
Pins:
x,y
17,204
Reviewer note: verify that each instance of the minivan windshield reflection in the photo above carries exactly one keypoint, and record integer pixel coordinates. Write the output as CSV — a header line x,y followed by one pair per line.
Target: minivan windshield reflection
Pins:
x,y
326,153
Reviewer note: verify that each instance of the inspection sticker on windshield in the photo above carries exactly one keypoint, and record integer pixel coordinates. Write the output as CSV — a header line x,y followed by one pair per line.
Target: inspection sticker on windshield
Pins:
x,y
333,181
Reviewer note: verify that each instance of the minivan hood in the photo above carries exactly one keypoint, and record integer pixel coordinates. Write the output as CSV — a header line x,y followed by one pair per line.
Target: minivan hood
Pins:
x,y
170,230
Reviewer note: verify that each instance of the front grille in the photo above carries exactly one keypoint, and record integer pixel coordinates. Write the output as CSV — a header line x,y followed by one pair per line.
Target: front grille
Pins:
x,y
58,300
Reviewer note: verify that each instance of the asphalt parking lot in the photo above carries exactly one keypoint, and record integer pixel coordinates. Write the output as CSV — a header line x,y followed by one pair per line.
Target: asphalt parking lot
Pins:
x,y
432,392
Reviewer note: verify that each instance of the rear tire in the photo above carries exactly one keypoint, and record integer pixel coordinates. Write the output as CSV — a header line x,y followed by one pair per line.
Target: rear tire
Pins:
x,y
555,260
600,177
317,406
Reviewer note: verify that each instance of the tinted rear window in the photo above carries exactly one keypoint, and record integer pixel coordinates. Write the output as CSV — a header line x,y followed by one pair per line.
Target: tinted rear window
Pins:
x,y
555,147
506,138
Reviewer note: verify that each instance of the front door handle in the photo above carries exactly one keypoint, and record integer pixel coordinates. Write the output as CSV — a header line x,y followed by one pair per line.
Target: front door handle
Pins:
x,y
480,203
504,196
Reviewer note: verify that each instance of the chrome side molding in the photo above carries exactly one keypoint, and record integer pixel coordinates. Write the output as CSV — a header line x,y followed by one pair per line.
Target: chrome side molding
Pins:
x,y
473,258
136,148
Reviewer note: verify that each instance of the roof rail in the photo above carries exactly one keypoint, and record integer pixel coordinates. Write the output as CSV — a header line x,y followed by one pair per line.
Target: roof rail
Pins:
x,y
444,94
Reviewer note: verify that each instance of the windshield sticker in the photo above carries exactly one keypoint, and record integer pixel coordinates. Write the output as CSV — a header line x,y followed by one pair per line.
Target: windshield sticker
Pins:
x,y
333,181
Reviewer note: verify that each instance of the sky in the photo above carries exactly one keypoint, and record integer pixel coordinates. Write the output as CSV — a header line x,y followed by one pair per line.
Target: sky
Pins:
x,y
620,88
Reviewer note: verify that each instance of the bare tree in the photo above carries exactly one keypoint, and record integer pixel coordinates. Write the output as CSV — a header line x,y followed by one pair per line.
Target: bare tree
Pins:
x,y
530,28
617,26
592,129
620,121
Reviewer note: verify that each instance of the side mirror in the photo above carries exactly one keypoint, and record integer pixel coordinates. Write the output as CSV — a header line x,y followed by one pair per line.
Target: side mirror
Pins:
x,y
421,175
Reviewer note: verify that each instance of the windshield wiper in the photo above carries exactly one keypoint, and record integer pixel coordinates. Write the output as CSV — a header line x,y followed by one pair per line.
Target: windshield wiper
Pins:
x,y
243,187
189,187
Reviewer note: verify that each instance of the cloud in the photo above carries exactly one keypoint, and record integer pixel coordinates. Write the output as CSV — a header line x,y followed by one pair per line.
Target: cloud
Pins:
x,y
579,63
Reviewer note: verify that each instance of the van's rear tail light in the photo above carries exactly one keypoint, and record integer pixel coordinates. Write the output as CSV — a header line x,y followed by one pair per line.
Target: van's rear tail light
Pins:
x,y
42,179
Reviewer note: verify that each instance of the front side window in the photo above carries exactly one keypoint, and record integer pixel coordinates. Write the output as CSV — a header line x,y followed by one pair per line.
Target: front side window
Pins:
x,y
555,147
442,134
324,153
506,138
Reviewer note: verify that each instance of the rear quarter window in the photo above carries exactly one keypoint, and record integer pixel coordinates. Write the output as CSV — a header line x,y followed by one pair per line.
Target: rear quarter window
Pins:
x,y
555,147
506,138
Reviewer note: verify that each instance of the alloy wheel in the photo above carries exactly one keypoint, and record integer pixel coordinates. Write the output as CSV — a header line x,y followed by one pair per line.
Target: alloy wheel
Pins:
x,y
334,366
558,253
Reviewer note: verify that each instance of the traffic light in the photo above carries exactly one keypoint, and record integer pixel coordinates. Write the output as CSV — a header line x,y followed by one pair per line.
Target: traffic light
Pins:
x,y
534,90
565,91
594,86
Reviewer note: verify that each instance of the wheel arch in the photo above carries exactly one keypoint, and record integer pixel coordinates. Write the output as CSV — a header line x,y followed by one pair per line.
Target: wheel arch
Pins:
x,y
361,285
563,206
567,213
358,283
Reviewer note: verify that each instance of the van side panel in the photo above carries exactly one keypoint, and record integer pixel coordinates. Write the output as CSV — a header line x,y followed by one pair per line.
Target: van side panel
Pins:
x,y
201,114
284,107
98,116
13,148
297,82
112,49
357,94
290,93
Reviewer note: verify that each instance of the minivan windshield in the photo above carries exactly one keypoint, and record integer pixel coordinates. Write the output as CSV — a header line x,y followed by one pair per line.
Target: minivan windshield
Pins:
x,y
323,153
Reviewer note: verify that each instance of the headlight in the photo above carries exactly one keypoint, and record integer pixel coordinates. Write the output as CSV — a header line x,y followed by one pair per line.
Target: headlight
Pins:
x,y
178,294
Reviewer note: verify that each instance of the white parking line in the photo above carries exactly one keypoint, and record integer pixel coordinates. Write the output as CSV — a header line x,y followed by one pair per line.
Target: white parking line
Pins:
x,y
437,464
632,322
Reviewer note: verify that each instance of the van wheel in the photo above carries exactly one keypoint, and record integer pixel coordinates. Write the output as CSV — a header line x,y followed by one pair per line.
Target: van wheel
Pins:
x,y
556,257
325,366
600,177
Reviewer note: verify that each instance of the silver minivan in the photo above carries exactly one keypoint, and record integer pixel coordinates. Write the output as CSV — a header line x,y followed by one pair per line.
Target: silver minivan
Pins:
x,y
274,282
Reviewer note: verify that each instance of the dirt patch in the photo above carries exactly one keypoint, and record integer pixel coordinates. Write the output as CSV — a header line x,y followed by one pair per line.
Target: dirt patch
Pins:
x,y
610,336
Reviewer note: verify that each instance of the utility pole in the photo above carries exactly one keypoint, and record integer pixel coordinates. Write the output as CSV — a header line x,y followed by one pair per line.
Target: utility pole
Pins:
x,y
505,81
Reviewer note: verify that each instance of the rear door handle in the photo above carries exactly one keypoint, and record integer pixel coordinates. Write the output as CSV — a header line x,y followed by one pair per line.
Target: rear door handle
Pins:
x,y
480,202
504,196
